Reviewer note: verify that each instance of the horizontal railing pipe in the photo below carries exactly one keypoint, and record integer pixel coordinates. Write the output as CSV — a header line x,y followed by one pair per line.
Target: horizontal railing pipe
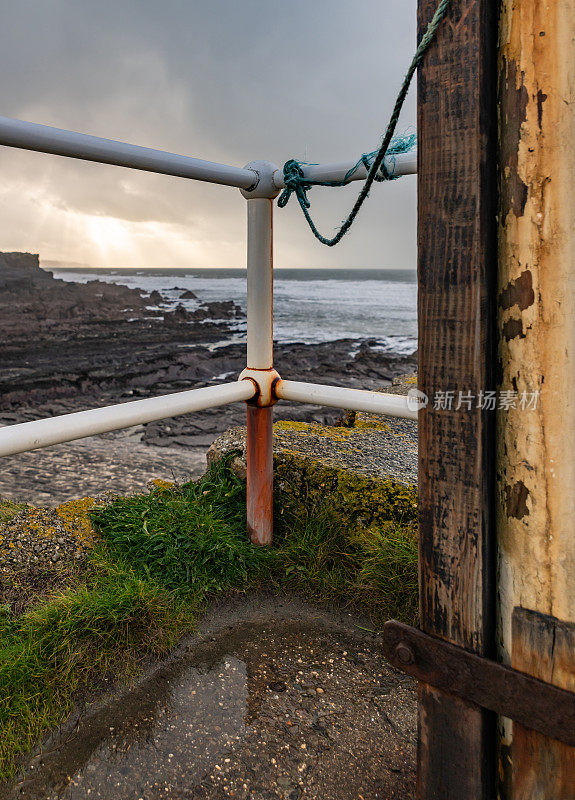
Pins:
x,y
46,432
393,405
400,164
45,139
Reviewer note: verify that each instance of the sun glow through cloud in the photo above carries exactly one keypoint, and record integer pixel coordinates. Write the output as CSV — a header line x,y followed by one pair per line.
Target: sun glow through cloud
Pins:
x,y
185,82
44,224
110,241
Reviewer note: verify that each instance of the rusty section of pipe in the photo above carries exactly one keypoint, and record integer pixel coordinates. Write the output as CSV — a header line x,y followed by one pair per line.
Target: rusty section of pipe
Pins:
x,y
260,359
536,299
260,474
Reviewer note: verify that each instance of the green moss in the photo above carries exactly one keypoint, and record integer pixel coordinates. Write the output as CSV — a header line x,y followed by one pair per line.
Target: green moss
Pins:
x,y
292,425
370,425
358,500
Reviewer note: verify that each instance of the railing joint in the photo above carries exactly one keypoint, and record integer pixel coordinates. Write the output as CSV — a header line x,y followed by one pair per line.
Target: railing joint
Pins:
x,y
264,185
265,381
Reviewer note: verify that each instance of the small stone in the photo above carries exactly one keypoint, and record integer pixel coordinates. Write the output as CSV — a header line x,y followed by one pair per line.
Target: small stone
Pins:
x,y
239,468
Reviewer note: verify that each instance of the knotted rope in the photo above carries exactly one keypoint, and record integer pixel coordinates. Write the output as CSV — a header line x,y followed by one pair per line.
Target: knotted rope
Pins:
x,y
296,182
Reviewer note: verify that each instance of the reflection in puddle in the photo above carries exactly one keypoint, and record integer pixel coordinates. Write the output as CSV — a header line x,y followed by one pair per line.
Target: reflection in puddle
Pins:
x,y
172,744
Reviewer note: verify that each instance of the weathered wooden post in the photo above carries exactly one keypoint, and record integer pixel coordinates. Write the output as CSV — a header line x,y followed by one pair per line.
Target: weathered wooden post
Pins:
x,y
457,205
496,270
536,433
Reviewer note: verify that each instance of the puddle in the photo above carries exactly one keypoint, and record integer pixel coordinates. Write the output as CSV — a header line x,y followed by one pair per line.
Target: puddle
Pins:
x,y
262,709
161,738
171,745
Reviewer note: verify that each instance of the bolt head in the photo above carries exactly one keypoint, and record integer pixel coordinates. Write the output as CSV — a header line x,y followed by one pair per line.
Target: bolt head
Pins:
x,y
404,653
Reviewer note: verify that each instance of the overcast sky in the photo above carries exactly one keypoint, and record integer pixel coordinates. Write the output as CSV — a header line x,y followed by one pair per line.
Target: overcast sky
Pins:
x,y
221,80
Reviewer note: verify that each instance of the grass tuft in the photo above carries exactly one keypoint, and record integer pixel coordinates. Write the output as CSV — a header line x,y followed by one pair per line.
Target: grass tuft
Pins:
x,y
187,537
315,555
57,648
387,571
375,570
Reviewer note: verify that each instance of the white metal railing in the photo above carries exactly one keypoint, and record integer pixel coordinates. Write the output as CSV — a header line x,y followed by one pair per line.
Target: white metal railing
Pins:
x,y
259,385
67,427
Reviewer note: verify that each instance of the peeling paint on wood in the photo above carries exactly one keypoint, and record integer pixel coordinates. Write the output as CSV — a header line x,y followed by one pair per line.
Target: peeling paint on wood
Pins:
x,y
536,299
516,500
512,328
518,292
537,290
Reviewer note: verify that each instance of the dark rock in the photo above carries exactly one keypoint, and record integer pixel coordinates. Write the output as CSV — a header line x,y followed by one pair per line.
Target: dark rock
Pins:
x,y
69,346
222,309
21,271
180,313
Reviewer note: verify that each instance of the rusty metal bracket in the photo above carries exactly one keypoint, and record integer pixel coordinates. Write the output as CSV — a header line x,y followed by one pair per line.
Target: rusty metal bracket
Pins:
x,y
524,699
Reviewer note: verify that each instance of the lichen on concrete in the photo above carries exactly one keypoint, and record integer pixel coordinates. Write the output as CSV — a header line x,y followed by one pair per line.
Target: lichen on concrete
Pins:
x,y
43,550
367,473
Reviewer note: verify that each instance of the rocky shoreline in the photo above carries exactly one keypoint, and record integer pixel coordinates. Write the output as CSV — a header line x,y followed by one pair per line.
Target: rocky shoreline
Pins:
x,y
69,346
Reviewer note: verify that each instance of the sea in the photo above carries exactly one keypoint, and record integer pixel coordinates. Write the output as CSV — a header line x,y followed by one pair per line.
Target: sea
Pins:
x,y
310,305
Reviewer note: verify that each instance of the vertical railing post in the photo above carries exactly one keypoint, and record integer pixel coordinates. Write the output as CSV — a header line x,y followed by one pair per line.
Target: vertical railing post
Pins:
x,y
260,355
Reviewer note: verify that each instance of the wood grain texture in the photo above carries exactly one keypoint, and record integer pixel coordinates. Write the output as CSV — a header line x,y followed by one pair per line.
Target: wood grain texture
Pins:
x,y
445,767
457,203
543,646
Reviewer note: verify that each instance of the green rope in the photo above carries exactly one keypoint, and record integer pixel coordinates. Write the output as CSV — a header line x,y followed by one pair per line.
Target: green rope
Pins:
x,y
296,183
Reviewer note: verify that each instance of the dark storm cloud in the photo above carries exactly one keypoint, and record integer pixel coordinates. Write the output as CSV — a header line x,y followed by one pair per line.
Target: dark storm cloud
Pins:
x,y
222,80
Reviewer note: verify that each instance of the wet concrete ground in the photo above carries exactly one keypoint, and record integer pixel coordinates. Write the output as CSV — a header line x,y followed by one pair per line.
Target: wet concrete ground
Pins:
x,y
117,462
272,698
